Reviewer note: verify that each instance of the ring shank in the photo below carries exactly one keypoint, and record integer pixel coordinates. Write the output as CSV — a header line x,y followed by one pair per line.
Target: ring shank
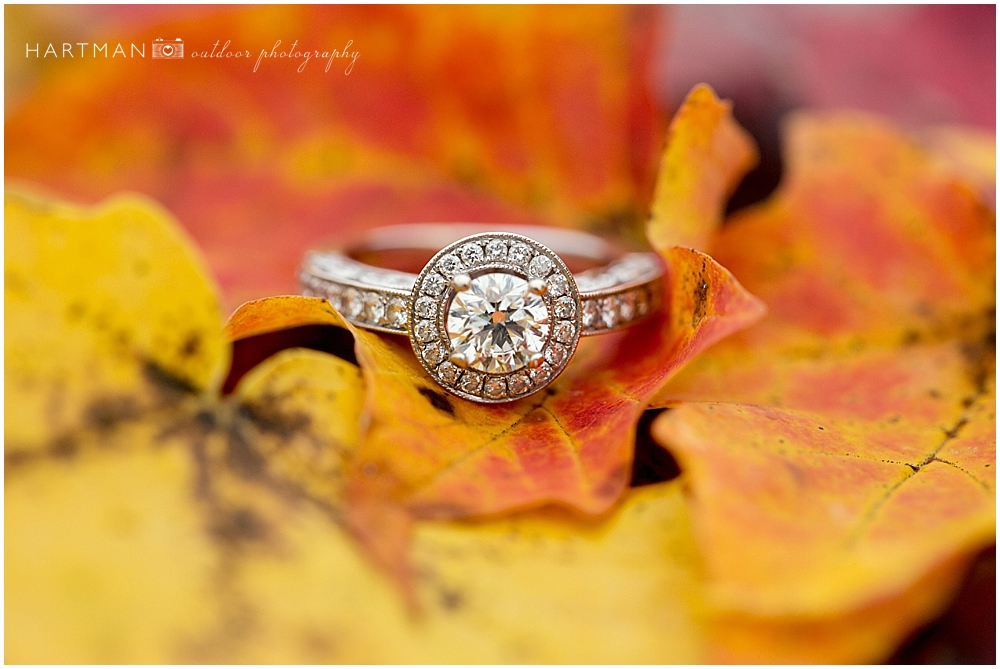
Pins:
x,y
435,236
620,290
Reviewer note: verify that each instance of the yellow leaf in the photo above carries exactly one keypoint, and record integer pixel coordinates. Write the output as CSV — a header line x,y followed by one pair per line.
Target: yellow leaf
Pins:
x,y
106,555
305,410
129,485
535,587
143,582
108,314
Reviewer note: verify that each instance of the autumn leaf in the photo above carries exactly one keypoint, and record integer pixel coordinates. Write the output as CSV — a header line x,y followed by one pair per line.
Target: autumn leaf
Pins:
x,y
73,334
706,155
261,165
128,482
842,451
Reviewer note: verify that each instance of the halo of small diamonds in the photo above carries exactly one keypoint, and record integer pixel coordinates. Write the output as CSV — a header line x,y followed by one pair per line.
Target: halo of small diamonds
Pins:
x,y
527,332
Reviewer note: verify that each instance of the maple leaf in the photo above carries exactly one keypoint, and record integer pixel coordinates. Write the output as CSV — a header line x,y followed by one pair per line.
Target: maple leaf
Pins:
x,y
127,480
843,449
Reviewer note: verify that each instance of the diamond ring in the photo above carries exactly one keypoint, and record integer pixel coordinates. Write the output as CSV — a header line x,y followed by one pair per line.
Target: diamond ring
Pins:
x,y
492,316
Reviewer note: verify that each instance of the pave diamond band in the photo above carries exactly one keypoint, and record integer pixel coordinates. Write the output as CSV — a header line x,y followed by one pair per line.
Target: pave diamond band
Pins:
x,y
493,316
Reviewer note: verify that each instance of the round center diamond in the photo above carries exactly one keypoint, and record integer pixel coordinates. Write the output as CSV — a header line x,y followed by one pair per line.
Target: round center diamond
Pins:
x,y
497,325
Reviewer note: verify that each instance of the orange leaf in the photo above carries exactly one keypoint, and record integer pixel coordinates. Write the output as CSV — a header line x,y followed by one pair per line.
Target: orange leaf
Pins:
x,y
843,449
803,514
869,249
707,154
278,313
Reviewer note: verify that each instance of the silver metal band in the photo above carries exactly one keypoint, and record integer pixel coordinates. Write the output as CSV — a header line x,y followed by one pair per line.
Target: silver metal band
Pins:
x,y
623,289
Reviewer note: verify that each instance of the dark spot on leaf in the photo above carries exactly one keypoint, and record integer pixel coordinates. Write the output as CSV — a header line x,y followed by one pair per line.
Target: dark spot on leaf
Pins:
x,y
14,282
267,418
239,526
165,381
75,311
956,429
251,351
317,644
820,427
551,391
795,471
652,463
191,345
915,468
14,459
106,413
205,419
700,306
934,394
612,486
438,400
63,448
923,309
980,353
242,458
910,337
451,599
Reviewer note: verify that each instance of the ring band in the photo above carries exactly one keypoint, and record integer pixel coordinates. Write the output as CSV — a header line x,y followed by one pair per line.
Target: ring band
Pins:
x,y
494,316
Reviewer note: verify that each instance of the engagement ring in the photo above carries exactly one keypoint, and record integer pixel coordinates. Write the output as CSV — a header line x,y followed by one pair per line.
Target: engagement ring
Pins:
x,y
492,316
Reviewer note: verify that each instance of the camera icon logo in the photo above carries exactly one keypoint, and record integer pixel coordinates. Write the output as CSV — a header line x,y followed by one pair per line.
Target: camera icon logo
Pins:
x,y
163,49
